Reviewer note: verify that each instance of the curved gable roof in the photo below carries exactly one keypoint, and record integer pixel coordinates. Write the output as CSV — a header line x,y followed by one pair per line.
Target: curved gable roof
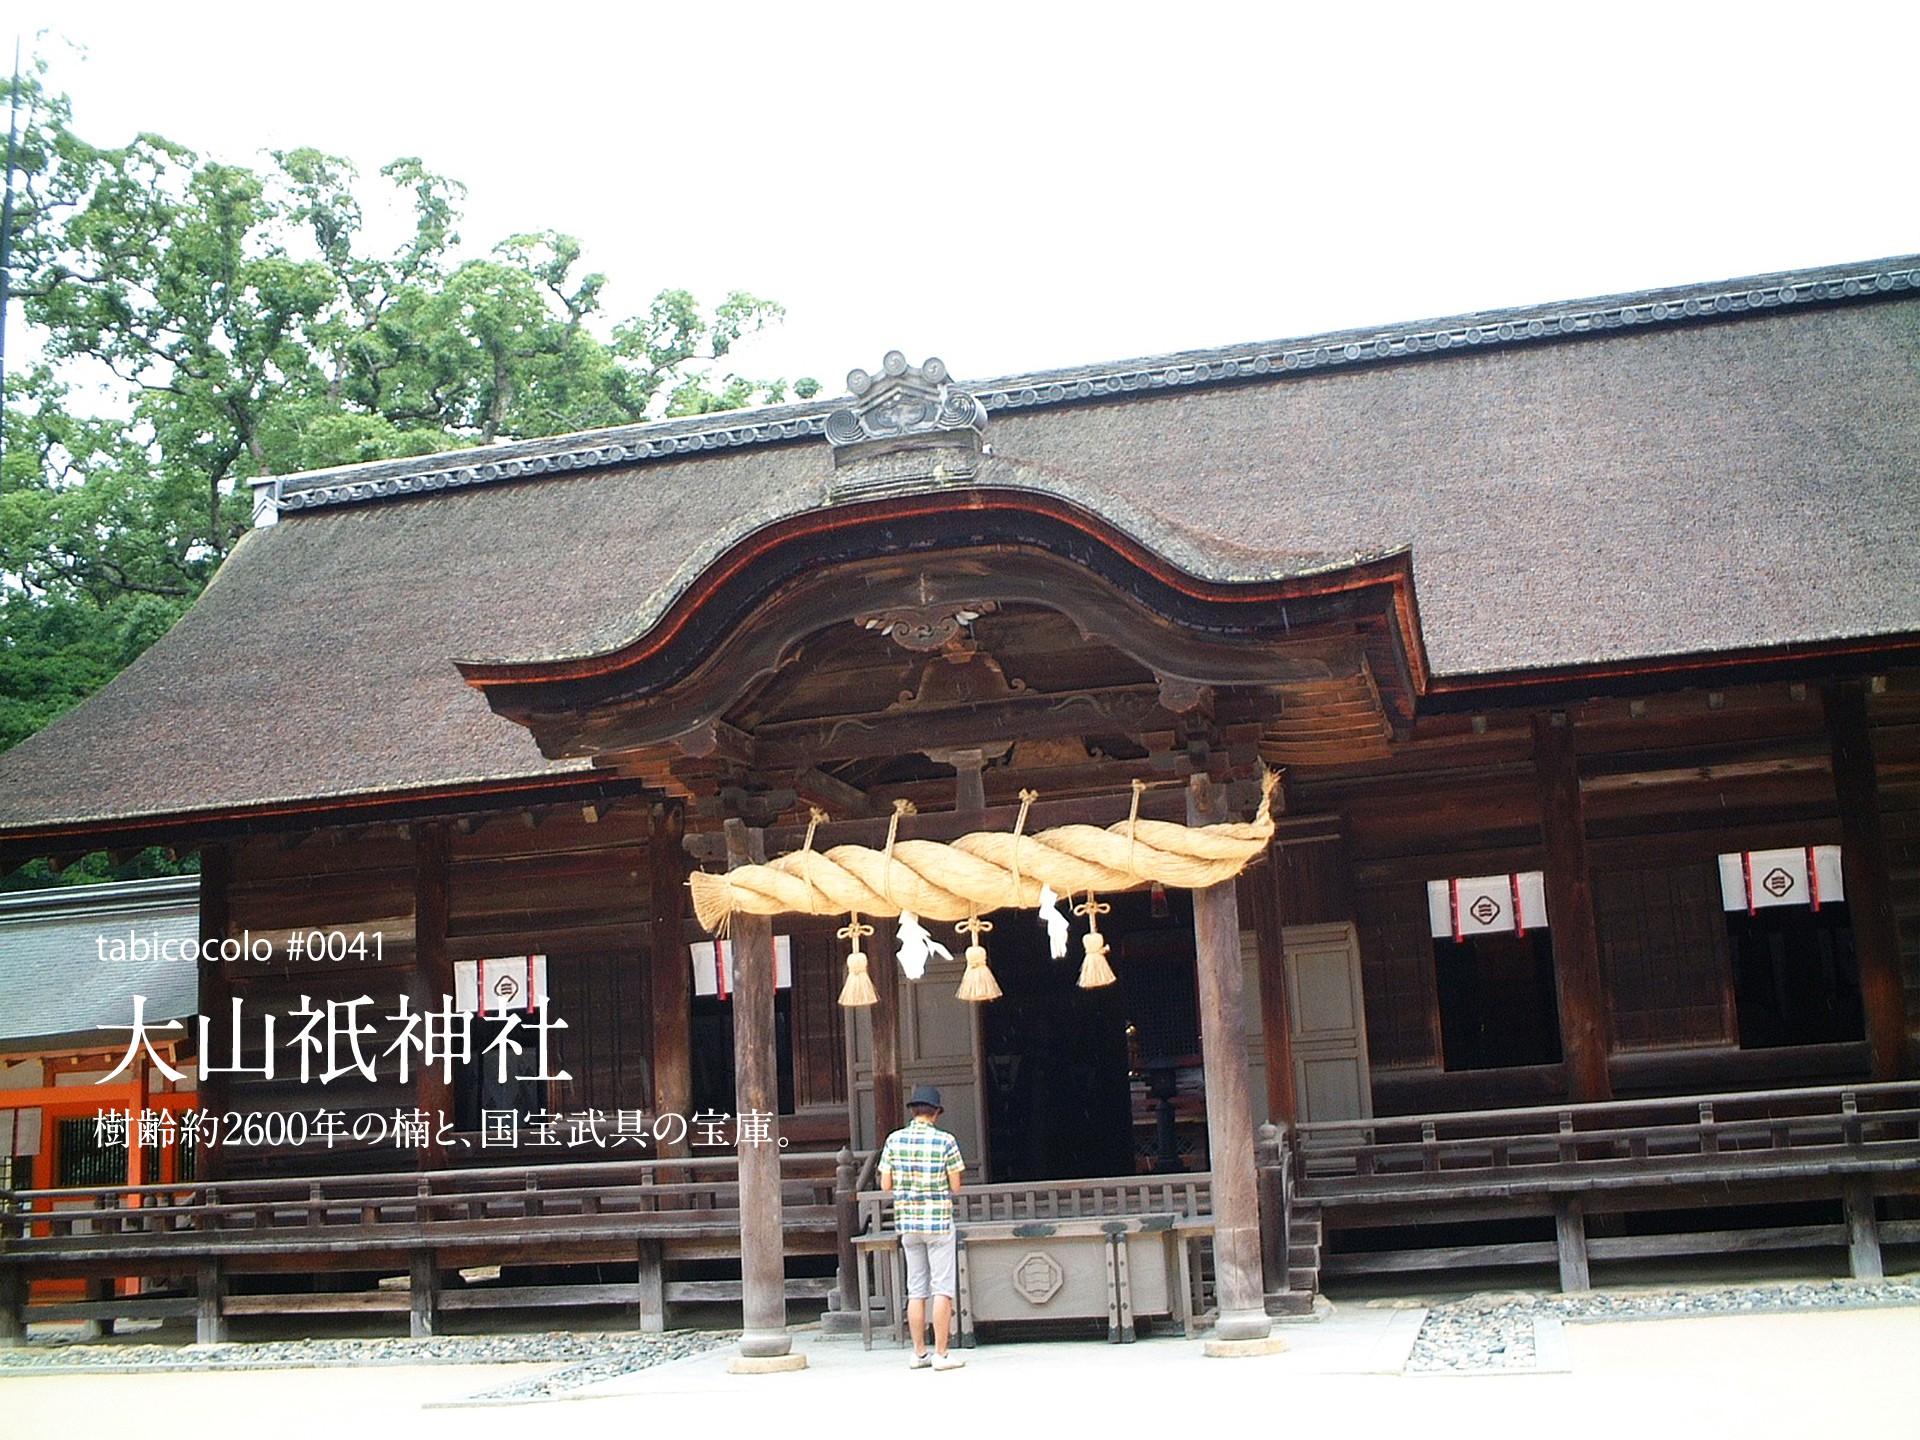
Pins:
x,y
1714,479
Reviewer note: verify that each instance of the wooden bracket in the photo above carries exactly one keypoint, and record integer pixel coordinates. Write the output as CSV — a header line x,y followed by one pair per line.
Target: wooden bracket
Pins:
x,y
833,795
1182,696
717,740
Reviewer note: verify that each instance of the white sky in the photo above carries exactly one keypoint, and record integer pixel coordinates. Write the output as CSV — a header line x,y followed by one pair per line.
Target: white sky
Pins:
x,y
1023,186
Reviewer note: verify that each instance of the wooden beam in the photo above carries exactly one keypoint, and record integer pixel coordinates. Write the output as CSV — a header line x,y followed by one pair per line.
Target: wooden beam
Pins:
x,y
754,807
1864,869
756,1066
1223,1048
670,972
1088,780
717,740
1569,887
1705,774
834,796
1029,714
1159,803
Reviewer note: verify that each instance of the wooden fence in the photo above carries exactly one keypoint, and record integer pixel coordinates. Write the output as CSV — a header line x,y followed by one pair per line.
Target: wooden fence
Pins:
x,y
1858,1145
189,1242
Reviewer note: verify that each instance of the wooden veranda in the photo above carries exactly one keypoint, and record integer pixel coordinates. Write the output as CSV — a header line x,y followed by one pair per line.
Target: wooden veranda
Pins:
x,y
1594,1173
1592,1170
215,1250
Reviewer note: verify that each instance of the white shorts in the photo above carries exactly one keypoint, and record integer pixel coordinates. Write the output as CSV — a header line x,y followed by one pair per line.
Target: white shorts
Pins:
x,y
930,1257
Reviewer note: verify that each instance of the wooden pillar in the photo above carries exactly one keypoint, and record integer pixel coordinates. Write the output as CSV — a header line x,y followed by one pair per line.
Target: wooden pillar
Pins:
x,y
889,1096
670,970
209,1289
216,994
13,1306
756,1068
1270,1158
1223,1053
1276,1019
423,1293
1570,1239
652,1278
432,977
1863,1233
844,1317
1576,939
1864,868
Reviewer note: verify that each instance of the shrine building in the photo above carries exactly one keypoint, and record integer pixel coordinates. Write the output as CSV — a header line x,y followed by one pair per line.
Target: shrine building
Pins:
x,y
1583,640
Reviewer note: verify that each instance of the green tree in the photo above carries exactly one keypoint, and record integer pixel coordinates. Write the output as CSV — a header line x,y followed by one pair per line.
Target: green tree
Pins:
x,y
246,325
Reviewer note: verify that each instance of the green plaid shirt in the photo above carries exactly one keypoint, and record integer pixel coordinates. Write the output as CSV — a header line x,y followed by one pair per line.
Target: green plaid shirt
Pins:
x,y
919,1158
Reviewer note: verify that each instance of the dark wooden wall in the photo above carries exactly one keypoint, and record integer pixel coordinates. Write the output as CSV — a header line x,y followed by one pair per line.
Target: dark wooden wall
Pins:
x,y
350,880
578,893
819,1034
1667,784
555,883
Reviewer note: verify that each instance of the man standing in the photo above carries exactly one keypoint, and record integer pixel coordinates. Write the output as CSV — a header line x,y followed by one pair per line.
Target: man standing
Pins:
x,y
921,1168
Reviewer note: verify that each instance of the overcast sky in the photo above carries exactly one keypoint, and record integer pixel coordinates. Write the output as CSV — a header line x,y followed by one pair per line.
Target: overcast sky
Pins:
x,y
1025,186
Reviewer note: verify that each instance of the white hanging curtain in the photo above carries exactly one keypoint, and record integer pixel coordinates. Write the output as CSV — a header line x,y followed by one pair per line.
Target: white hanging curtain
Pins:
x,y
713,966
1809,875
493,987
1487,905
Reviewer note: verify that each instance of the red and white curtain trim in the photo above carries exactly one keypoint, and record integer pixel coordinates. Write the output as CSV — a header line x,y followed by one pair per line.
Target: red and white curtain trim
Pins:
x,y
714,973
1487,905
1809,875
493,987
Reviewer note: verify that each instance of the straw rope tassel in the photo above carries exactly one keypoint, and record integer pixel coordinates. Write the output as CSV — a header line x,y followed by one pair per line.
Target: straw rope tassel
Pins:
x,y
859,987
987,871
978,983
1094,970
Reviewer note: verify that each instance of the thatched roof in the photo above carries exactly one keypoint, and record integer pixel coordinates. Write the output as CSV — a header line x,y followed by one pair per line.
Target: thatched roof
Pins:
x,y
1711,469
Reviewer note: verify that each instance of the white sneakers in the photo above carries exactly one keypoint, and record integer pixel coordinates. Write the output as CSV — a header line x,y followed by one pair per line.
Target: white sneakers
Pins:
x,y
948,1362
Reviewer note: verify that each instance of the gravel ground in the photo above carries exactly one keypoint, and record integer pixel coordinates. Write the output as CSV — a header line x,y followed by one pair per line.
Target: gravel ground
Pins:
x,y
1496,1331
585,1358
1476,1334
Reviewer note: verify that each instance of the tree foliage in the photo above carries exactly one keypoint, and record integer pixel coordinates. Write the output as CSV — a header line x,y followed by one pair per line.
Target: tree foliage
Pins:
x,y
195,324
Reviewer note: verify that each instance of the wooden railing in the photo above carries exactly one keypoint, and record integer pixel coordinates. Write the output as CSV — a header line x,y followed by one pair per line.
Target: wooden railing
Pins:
x,y
1186,1196
1849,1147
1170,1215
1794,1132
447,1207
640,1214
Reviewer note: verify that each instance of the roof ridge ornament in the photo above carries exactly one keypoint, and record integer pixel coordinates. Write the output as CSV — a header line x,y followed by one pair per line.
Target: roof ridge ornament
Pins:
x,y
904,407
